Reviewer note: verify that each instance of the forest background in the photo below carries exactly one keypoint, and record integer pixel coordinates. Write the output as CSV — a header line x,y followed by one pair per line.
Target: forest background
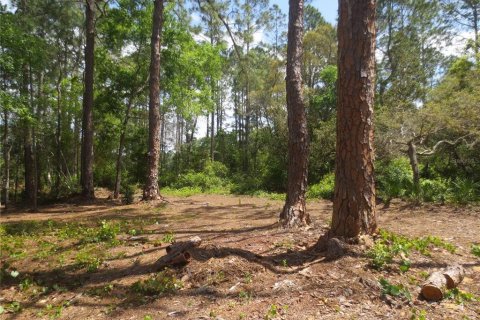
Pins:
x,y
223,105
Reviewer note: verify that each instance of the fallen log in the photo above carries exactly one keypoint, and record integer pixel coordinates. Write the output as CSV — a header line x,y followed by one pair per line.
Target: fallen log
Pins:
x,y
178,253
435,286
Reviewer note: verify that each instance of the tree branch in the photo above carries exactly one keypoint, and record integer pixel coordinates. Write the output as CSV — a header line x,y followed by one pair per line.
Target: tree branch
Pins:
x,y
451,143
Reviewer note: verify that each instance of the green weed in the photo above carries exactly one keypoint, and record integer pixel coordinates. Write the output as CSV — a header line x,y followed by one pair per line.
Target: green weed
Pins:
x,y
418,314
394,290
476,250
85,259
168,237
161,283
106,232
459,296
391,245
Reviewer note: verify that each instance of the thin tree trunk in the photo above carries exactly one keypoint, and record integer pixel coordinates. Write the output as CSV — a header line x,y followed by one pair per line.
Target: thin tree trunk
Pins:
x,y
151,189
87,120
6,158
412,155
212,137
34,143
29,159
354,200
294,213
17,165
58,159
121,144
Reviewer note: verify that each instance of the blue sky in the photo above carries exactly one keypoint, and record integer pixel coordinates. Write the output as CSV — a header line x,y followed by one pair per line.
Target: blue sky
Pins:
x,y
328,8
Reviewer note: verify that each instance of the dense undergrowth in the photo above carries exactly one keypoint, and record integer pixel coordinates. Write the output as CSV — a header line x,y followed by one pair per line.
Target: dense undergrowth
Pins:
x,y
394,180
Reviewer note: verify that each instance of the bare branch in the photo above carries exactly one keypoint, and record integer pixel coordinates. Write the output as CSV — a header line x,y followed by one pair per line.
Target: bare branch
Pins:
x,y
448,142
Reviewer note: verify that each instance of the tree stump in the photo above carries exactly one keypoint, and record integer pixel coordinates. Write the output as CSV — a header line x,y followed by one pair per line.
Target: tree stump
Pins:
x,y
434,288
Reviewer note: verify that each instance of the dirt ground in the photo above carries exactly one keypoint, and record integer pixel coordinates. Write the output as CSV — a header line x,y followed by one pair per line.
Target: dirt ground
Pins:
x,y
245,268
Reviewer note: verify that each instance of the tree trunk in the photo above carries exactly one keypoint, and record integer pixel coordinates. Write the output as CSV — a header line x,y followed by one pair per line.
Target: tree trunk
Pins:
x,y
412,155
294,212
58,159
6,158
87,120
354,200
29,157
118,166
151,190
212,137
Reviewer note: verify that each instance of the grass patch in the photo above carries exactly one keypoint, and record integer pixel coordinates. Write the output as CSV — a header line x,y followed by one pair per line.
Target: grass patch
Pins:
x,y
88,260
476,250
163,282
459,296
389,289
390,246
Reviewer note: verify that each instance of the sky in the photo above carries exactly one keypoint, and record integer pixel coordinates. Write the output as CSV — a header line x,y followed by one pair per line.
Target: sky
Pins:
x,y
328,8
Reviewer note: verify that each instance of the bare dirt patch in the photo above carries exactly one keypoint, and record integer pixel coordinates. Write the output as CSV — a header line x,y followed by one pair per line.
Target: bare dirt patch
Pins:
x,y
79,261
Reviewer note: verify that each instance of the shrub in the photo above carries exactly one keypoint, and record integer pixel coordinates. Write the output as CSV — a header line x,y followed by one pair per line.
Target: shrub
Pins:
x,y
324,189
434,190
213,176
106,232
129,193
394,179
476,250
464,191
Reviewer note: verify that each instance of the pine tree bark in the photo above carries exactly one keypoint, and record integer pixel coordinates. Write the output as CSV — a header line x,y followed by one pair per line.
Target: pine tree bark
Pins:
x,y
294,213
6,158
354,200
87,120
121,144
151,189
29,156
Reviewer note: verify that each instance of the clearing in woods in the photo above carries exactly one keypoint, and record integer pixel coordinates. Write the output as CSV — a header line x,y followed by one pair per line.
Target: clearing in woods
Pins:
x,y
97,261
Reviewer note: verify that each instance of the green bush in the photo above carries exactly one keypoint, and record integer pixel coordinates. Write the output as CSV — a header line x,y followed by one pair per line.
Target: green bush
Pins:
x,y
245,184
324,189
129,193
213,176
394,179
106,232
464,191
434,190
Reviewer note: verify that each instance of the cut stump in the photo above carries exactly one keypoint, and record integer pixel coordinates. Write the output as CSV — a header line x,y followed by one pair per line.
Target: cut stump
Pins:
x,y
434,288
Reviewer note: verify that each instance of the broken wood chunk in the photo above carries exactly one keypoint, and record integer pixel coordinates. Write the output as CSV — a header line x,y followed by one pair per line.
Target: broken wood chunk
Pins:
x,y
454,276
435,286
178,253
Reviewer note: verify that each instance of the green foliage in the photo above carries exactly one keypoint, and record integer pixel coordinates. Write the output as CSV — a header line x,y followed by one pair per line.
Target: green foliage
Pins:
x,y
324,189
88,260
394,178
476,250
390,245
129,193
168,237
459,296
394,290
53,311
106,232
163,282
213,176
464,191
418,314
434,190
